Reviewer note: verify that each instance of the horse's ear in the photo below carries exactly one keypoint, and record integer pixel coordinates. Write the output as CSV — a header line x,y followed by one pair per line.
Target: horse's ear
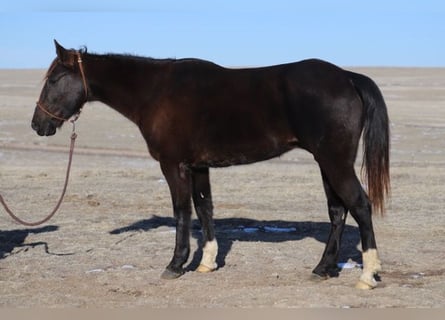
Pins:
x,y
60,51
65,56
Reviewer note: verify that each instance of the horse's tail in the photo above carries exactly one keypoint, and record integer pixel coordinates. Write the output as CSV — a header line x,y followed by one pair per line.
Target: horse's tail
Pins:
x,y
376,140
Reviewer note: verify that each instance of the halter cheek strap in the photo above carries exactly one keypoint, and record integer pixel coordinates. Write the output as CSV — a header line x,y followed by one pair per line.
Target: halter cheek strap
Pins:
x,y
82,73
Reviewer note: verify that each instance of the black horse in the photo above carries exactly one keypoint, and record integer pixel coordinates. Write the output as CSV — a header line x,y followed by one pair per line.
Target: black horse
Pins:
x,y
195,115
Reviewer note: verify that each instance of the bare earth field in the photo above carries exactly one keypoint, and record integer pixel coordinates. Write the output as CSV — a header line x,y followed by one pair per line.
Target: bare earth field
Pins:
x,y
114,233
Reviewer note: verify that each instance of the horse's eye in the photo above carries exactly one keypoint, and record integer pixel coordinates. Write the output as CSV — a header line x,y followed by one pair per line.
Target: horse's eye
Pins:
x,y
54,79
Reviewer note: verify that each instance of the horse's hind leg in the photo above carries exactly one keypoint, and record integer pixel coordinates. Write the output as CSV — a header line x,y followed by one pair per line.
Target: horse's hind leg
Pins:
x,y
202,199
344,182
327,266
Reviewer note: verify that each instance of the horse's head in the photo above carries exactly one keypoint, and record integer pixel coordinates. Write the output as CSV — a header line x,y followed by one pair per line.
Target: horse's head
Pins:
x,y
63,94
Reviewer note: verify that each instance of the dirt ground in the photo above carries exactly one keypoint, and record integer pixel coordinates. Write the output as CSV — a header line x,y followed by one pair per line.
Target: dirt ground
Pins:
x,y
114,235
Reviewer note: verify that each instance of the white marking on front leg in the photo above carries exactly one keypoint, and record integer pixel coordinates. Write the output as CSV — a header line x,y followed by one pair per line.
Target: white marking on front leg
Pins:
x,y
371,266
209,253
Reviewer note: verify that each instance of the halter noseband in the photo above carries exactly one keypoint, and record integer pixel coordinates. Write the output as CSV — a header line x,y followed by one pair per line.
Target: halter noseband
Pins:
x,y
85,87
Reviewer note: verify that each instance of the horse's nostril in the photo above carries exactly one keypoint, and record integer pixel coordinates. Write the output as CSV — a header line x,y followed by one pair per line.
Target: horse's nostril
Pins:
x,y
34,126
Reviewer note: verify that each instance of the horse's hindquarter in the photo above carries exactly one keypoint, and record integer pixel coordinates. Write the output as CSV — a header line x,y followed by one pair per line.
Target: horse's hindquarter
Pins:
x,y
322,105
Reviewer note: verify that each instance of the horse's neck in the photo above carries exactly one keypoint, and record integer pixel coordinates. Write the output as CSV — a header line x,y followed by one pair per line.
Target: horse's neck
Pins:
x,y
122,88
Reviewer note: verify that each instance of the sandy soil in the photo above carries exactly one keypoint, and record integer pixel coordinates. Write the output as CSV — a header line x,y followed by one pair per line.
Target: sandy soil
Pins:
x,y
114,233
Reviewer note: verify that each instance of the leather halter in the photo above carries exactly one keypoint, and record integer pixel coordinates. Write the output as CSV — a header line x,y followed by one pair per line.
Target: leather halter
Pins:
x,y
85,87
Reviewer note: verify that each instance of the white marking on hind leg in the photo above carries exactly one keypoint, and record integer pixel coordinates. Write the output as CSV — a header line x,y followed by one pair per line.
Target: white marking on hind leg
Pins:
x,y
209,253
371,266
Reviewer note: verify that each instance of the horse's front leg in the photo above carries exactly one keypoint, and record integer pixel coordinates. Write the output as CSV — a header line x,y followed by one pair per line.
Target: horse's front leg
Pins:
x,y
178,178
202,199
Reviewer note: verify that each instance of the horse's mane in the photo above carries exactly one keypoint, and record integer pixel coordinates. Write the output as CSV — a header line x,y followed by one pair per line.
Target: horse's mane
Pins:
x,y
129,57
138,58
126,56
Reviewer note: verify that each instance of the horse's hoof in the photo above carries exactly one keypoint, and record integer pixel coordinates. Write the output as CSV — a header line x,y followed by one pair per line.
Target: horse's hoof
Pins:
x,y
318,278
170,274
204,269
364,285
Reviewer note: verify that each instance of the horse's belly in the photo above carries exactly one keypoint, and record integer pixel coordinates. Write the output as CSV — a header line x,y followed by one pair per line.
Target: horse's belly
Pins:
x,y
236,155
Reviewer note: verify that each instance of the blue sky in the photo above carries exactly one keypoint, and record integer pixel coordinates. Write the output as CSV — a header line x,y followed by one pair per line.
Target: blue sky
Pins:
x,y
230,32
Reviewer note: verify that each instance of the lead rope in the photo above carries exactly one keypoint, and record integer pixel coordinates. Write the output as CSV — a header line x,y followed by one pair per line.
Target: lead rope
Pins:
x,y
33,224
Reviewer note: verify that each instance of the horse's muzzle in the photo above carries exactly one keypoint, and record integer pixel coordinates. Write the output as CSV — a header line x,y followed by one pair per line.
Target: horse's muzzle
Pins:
x,y
44,128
